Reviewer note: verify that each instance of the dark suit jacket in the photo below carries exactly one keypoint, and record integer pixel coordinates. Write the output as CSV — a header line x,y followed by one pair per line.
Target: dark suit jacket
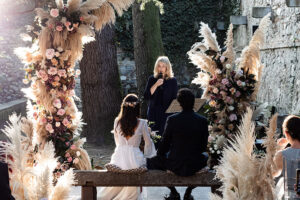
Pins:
x,y
184,140
5,192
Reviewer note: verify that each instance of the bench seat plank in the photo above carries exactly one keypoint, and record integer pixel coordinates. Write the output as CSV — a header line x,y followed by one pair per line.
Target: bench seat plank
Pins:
x,y
150,178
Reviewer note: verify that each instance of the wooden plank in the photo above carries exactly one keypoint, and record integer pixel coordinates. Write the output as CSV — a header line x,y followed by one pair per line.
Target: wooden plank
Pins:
x,y
149,178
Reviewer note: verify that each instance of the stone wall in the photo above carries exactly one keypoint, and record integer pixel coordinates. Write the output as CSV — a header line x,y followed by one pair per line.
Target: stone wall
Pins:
x,y
280,54
127,72
11,73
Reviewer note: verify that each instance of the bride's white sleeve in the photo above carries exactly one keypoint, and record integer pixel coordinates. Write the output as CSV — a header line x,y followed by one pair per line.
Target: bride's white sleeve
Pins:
x,y
115,132
149,149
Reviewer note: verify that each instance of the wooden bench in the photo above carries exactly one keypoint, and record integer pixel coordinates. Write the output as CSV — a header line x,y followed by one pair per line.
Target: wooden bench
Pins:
x,y
90,180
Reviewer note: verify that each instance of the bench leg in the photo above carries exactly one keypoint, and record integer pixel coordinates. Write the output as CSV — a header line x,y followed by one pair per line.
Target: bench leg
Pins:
x,y
88,193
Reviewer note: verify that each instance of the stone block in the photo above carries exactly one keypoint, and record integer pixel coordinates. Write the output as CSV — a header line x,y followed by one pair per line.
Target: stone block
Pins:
x,y
238,20
293,3
260,12
221,25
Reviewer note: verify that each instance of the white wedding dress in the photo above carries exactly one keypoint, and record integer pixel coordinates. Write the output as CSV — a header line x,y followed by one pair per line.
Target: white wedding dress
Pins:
x,y
127,155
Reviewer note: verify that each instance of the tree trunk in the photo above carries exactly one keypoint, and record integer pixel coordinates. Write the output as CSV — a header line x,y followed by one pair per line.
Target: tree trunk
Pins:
x,y
101,87
147,45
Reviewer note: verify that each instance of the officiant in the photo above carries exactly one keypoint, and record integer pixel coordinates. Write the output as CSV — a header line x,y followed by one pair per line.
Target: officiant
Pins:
x,y
161,90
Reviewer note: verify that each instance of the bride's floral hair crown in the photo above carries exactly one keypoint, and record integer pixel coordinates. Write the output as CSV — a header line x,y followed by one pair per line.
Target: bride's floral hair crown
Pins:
x,y
131,104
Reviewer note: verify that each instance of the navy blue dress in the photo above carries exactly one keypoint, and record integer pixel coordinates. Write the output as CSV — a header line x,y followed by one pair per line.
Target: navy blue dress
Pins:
x,y
159,102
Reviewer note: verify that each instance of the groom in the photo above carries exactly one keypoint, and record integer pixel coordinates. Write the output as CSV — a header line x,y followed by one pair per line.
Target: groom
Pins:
x,y
183,142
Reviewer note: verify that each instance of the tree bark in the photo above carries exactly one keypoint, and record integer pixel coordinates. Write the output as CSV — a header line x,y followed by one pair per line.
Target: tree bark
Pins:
x,y
147,45
101,87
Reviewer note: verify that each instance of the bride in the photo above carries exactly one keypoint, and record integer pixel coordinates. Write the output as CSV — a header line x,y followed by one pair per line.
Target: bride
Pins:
x,y
128,131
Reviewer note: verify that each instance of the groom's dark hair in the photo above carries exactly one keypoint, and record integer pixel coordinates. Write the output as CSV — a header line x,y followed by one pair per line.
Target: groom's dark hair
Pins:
x,y
186,99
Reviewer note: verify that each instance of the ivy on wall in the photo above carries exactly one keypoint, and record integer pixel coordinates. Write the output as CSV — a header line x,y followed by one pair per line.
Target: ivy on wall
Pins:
x,y
179,28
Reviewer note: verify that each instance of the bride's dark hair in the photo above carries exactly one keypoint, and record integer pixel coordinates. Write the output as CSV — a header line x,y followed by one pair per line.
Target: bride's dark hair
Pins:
x,y
128,116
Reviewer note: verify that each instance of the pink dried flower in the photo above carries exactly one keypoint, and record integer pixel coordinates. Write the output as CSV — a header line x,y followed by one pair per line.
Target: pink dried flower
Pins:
x,y
225,81
49,128
56,78
43,75
67,155
70,159
61,112
73,147
222,59
68,24
228,99
223,93
42,120
62,73
66,122
57,103
232,117
215,90
68,143
239,83
35,115
238,94
59,28
210,138
52,71
50,53
54,12
57,174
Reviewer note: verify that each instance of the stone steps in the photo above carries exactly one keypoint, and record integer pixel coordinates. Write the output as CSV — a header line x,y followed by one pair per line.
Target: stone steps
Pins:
x,y
7,109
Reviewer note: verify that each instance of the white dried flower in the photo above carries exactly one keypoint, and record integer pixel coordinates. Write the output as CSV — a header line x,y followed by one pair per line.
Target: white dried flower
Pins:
x,y
228,66
231,108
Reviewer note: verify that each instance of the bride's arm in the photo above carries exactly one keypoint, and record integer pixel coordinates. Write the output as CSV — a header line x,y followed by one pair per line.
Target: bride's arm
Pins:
x,y
115,132
149,149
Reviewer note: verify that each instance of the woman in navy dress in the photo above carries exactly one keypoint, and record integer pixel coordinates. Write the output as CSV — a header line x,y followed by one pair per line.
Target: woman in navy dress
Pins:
x,y
161,90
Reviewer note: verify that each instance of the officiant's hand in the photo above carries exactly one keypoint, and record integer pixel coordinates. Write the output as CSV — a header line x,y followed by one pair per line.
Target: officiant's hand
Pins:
x,y
159,82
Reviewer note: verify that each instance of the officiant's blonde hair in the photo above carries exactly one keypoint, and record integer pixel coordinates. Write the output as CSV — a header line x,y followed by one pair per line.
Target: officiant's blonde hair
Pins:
x,y
165,60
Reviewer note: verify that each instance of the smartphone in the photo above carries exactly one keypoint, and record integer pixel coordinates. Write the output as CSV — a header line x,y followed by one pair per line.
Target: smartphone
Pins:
x,y
298,181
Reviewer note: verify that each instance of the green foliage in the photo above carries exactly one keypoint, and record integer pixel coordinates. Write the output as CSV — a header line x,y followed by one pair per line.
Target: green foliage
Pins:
x,y
179,29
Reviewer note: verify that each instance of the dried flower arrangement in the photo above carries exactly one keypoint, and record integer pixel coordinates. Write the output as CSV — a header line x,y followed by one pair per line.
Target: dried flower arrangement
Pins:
x,y
229,89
